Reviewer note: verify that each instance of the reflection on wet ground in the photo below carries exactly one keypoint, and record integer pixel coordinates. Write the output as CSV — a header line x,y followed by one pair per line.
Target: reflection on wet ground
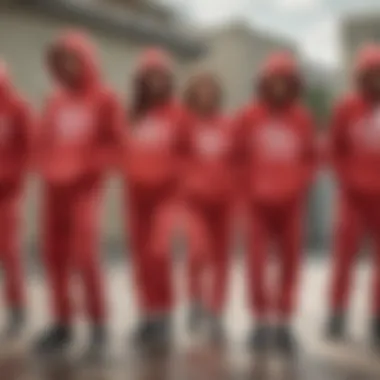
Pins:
x,y
192,358
201,363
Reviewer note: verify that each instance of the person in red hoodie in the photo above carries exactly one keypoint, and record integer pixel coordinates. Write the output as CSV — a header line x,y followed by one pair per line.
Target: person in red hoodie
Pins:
x,y
151,170
77,140
355,155
16,139
278,158
208,192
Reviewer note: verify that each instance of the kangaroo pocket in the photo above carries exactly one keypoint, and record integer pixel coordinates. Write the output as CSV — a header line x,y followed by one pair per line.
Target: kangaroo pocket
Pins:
x,y
149,169
11,167
209,183
363,177
277,183
65,165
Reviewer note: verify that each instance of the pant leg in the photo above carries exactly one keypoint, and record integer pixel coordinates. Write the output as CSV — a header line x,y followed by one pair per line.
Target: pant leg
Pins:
x,y
219,263
194,273
371,208
87,200
57,251
375,304
139,220
289,253
257,261
160,240
10,249
197,252
152,270
349,231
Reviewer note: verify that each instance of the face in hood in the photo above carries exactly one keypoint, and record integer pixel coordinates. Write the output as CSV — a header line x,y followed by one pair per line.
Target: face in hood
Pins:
x,y
204,93
155,71
72,62
279,81
5,85
367,71
153,80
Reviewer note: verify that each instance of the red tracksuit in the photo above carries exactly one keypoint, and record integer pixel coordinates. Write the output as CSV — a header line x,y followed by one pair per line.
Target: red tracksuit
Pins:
x,y
151,167
76,140
280,157
208,191
356,157
16,136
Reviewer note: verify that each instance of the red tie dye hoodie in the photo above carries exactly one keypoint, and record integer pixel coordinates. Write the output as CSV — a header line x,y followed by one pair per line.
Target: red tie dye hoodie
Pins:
x,y
355,132
81,122
151,157
278,144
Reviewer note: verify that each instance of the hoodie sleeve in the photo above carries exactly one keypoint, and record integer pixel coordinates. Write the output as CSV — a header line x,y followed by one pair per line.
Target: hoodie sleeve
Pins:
x,y
240,148
310,151
109,134
43,132
336,140
26,132
183,136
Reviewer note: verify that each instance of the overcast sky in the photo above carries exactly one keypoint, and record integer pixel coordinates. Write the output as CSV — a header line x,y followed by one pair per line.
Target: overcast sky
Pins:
x,y
314,24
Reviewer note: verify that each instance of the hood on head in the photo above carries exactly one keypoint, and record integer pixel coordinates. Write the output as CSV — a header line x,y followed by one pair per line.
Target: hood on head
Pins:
x,y
367,71
279,65
154,59
367,59
198,79
80,45
5,84
151,60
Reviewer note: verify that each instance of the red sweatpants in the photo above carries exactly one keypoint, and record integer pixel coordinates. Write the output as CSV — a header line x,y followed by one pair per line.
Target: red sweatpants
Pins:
x,y
358,215
71,243
10,247
209,233
151,257
349,231
279,226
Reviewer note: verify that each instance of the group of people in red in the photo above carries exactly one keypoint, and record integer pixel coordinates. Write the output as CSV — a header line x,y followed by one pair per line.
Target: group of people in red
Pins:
x,y
186,152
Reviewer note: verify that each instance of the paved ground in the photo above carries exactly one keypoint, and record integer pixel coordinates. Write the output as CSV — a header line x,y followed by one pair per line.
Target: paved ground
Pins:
x,y
192,358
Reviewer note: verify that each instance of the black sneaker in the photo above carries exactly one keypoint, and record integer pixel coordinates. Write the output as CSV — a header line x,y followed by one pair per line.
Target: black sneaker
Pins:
x,y
195,316
336,327
16,323
56,338
98,344
285,341
144,332
217,332
162,333
259,339
375,333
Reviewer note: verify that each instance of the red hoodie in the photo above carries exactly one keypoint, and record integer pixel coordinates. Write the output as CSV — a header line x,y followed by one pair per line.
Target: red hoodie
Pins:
x,y
209,170
278,144
151,146
355,134
16,132
81,124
